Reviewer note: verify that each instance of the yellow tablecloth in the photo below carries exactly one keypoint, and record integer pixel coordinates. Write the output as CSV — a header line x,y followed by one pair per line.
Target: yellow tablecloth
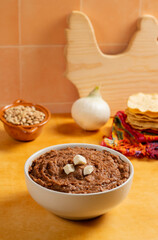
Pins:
x,y
21,218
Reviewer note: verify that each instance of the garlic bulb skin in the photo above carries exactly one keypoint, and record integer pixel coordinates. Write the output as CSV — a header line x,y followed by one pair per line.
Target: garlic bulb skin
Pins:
x,y
91,112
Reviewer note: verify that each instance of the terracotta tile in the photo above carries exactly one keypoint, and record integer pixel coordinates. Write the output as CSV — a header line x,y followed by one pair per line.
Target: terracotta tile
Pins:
x,y
43,78
59,107
113,49
113,21
9,75
9,22
44,22
150,7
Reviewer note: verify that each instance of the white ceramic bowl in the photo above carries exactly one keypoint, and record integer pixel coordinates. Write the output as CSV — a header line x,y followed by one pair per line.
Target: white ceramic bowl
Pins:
x,y
77,206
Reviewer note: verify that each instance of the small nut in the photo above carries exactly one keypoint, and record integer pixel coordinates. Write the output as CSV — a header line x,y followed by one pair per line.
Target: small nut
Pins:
x,y
29,121
88,170
24,120
68,168
36,122
79,159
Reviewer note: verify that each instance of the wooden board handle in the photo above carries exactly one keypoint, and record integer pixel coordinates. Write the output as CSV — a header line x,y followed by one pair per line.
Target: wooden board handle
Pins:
x,y
134,70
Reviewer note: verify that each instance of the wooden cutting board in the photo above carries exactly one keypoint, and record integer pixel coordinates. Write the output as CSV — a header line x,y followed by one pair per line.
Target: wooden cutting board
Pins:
x,y
135,70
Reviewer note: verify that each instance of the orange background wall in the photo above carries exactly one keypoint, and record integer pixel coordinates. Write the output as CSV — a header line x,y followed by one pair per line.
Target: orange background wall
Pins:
x,y
32,41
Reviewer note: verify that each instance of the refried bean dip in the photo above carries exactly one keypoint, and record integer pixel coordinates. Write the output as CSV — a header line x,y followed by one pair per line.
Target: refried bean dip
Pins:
x,y
109,171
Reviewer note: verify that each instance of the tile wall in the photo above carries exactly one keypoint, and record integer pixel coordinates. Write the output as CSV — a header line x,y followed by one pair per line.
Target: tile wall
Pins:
x,y
32,41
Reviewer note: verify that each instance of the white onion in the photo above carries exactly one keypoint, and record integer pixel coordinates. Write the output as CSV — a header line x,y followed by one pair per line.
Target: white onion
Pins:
x,y
91,112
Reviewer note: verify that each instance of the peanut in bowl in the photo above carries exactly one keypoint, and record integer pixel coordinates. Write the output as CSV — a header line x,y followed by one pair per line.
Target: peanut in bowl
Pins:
x,y
24,129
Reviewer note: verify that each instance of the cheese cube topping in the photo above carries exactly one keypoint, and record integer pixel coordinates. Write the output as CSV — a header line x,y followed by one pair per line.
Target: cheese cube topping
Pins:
x,y
79,159
68,168
88,170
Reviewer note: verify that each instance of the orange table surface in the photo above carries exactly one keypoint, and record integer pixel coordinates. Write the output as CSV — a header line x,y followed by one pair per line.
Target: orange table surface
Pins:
x,y
22,218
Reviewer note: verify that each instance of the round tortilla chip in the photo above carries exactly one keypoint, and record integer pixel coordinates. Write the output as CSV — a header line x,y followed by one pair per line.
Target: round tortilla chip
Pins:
x,y
141,114
140,117
144,102
142,127
133,118
142,124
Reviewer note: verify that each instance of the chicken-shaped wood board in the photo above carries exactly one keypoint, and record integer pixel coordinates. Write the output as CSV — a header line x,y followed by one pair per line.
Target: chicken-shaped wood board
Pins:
x,y
135,70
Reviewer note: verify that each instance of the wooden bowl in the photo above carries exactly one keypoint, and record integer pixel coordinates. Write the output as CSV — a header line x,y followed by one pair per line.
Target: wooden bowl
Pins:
x,y
20,132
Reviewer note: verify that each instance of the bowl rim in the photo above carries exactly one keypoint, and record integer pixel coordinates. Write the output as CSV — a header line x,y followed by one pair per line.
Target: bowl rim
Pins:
x,y
60,146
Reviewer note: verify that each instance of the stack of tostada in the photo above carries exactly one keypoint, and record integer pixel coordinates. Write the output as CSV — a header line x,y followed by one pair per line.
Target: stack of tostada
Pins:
x,y
142,111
